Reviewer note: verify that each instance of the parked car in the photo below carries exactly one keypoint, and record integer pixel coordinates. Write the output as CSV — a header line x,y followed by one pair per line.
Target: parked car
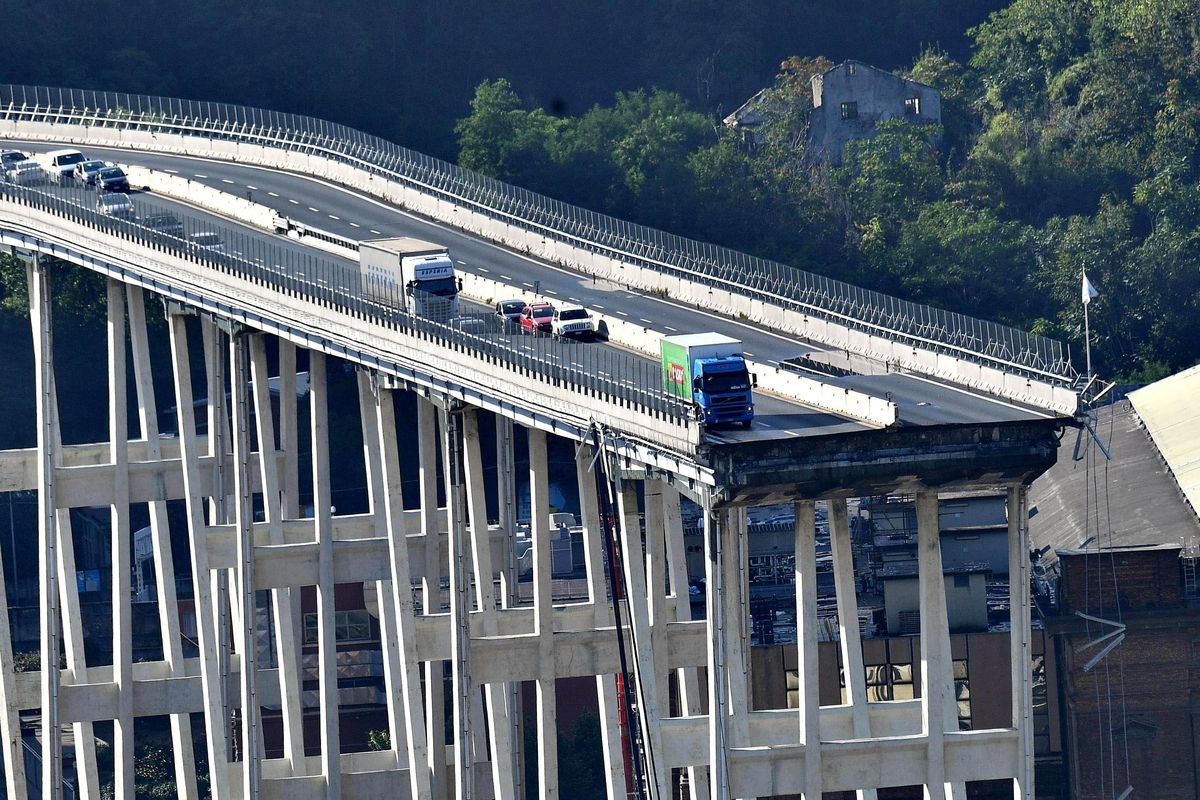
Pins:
x,y
572,321
60,164
112,179
25,173
537,318
116,205
10,157
85,172
164,223
207,240
509,312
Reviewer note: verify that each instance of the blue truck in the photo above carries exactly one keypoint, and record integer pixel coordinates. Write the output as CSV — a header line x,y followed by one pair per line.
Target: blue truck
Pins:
x,y
708,370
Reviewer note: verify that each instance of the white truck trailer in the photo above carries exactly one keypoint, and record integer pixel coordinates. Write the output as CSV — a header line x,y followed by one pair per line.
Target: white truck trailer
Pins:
x,y
416,275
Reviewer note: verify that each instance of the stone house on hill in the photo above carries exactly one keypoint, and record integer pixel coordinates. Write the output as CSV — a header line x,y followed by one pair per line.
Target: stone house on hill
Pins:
x,y
852,98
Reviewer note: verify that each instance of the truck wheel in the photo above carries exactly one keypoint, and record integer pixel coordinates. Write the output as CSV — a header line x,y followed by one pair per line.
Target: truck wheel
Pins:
x,y
746,424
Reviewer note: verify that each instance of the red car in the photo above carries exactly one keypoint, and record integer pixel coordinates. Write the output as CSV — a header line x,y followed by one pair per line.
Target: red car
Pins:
x,y
537,318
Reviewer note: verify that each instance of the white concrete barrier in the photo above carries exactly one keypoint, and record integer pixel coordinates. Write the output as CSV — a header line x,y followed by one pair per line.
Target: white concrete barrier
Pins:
x,y
1035,391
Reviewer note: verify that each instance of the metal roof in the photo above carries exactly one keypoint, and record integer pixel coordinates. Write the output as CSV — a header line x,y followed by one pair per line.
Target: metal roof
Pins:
x,y
1170,410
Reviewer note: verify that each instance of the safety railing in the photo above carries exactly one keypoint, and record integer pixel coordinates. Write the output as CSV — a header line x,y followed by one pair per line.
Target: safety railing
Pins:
x,y
603,373
822,298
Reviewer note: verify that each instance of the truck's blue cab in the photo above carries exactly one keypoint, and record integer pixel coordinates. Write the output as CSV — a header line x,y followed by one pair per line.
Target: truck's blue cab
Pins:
x,y
721,389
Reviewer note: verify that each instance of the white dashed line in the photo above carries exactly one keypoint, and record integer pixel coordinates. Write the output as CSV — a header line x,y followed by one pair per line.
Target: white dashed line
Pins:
x,y
294,202
530,285
226,180
273,194
484,269
643,319
672,330
172,171
377,233
573,299
551,291
463,263
331,216
623,314
505,278
252,188
314,210
747,353
355,225
198,175
599,307
772,361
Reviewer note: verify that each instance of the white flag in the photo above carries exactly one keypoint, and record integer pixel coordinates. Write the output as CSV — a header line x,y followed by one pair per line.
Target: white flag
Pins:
x,y
1088,291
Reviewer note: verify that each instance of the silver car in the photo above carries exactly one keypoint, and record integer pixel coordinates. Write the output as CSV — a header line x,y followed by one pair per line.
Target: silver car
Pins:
x,y
117,205
26,173
85,172
207,240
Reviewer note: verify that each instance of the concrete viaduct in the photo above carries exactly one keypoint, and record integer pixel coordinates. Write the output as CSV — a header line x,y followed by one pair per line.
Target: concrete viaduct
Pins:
x,y
932,402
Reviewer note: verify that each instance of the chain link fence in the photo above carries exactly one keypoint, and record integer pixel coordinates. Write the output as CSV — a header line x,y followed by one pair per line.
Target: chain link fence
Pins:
x,y
595,371
821,298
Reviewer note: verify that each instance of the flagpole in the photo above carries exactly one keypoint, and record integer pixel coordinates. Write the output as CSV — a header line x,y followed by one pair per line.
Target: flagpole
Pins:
x,y
1087,340
1087,293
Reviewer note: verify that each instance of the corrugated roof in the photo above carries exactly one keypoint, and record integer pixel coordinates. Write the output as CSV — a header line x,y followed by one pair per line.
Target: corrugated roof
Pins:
x,y
1170,410
1135,491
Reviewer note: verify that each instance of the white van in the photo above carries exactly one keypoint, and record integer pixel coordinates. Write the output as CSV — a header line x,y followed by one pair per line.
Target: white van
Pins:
x,y
60,164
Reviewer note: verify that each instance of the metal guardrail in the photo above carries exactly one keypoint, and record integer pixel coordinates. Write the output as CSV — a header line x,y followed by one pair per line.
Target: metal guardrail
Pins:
x,y
822,298
600,372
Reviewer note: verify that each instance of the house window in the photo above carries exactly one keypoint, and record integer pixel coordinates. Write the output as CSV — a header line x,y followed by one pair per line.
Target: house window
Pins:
x,y
348,626
912,105
850,69
850,110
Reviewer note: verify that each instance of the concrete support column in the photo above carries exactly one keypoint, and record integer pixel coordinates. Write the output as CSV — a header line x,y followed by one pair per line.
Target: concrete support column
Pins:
x,y
495,694
318,411
806,646
938,707
210,669
48,576
1019,636
122,611
687,679
616,781
244,532
638,589
507,496
543,616
182,746
431,592
224,595
405,645
715,540
284,605
849,635
456,501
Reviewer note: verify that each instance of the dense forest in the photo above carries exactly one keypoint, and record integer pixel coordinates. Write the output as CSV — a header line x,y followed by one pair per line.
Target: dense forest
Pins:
x,y
1069,141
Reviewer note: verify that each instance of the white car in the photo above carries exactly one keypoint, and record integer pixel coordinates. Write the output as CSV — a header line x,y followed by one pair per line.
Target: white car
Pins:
x,y
25,173
572,321
60,164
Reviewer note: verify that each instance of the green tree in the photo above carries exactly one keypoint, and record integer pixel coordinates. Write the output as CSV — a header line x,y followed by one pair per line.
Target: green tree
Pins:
x,y
501,139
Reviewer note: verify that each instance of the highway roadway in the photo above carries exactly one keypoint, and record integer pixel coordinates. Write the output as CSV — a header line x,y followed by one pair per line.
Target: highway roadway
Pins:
x,y
920,400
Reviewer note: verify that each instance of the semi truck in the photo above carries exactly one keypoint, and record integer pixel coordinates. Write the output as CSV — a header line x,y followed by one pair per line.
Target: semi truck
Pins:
x,y
416,274
708,370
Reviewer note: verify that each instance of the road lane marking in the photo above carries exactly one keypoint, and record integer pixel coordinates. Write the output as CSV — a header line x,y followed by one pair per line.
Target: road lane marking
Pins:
x,y
377,233
505,278
172,171
252,188
314,210
294,202
551,291
483,269
331,216
672,330
226,180
273,194
198,175
355,225
643,319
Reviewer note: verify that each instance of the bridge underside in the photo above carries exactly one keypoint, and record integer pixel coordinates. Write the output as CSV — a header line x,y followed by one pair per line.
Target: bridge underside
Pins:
x,y
252,651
